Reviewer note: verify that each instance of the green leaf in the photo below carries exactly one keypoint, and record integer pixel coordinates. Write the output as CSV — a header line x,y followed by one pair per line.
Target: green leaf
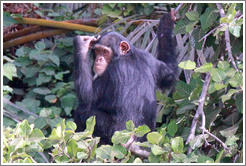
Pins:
x,y
48,70
157,150
24,128
104,152
195,94
206,67
219,156
218,75
183,108
82,155
154,159
121,137
192,15
90,124
205,159
195,38
45,112
216,86
53,139
221,29
130,125
190,26
231,140
9,71
40,45
177,145
180,158
154,138
228,132
72,148
61,159
23,62
36,134
68,135
230,72
23,51
172,128
224,65
119,151
54,59
235,30
71,125
68,100
236,80
231,10
42,78
239,102
42,90
208,18
183,89
229,94
61,127
37,55
30,71
40,123
197,141
138,160
187,65
7,19
142,130
180,27
50,98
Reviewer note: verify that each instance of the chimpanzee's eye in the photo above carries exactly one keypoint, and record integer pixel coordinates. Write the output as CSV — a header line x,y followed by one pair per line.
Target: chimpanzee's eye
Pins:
x,y
105,51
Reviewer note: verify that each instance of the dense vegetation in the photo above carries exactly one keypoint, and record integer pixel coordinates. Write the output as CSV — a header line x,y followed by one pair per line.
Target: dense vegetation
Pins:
x,y
200,120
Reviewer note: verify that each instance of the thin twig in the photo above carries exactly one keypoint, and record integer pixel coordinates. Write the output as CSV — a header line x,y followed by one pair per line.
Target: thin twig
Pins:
x,y
178,8
135,149
22,109
11,115
204,37
199,110
221,142
227,37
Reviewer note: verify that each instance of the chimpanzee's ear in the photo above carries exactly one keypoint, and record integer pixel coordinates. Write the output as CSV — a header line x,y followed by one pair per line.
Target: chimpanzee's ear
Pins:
x,y
124,47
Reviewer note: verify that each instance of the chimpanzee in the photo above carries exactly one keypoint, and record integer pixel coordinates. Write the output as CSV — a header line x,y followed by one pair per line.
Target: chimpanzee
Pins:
x,y
126,80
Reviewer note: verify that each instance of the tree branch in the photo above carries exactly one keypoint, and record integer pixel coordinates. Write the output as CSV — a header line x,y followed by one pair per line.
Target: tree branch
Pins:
x,y
135,149
22,109
227,37
221,142
36,28
57,24
199,111
33,37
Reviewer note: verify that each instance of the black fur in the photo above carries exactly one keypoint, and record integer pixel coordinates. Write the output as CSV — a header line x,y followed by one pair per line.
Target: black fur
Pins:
x,y
126,90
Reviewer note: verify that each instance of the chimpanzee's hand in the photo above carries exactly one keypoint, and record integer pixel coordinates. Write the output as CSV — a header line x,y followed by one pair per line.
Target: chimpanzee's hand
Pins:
x,y
84,43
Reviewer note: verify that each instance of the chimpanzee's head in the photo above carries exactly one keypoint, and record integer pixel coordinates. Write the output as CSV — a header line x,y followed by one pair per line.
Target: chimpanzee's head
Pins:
x,y
110,46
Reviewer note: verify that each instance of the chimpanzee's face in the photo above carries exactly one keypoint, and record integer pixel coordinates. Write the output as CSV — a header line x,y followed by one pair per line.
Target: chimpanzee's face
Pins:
x,y
109,46
103,57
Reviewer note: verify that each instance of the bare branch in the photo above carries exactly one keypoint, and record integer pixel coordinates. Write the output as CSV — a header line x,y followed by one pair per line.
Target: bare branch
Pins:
x,y
199,111
135,149
11,115
227,37
22,109
221,142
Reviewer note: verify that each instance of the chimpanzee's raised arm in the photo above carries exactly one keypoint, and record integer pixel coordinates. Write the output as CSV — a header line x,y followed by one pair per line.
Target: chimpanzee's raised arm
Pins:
x,y
82,71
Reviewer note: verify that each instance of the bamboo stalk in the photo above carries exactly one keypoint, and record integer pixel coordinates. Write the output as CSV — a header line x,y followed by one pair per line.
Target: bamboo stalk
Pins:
x,y
32,37
58,24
